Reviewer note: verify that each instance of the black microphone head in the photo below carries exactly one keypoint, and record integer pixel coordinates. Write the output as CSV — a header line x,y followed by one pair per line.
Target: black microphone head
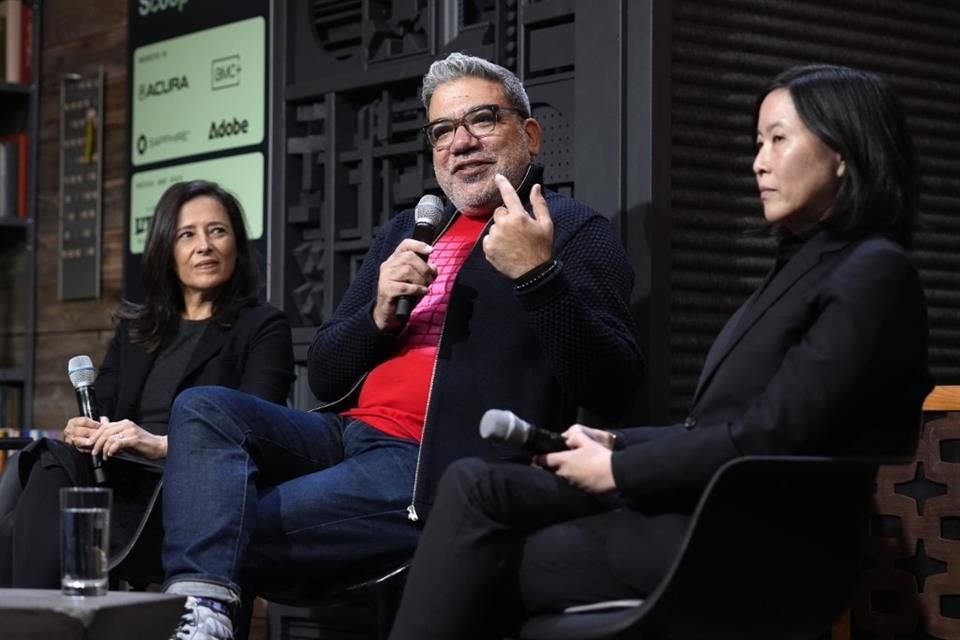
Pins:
x,y
429,211
81,371
505,426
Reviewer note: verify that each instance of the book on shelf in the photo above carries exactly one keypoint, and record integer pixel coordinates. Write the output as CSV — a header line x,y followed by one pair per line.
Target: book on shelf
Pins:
x,y
17,18
10,406
3,38
26,43
11,10
9,180
22,150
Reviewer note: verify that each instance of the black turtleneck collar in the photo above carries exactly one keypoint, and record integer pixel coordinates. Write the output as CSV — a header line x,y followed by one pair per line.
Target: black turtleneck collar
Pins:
x,y
790,243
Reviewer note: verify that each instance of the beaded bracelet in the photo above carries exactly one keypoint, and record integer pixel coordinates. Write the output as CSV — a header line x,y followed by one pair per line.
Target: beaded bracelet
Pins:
x,y
536,274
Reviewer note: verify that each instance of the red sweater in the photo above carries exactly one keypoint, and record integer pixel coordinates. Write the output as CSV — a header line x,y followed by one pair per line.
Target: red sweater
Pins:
x,y
393,397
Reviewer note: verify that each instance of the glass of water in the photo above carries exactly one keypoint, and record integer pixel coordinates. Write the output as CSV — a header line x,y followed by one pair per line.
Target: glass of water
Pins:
x,y
84,540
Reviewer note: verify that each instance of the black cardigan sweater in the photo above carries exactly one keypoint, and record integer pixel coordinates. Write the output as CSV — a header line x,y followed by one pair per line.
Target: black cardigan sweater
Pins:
x,y
566,341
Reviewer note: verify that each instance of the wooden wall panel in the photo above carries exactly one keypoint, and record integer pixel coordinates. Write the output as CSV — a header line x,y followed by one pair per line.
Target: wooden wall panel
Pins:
x,y
77,37
58,400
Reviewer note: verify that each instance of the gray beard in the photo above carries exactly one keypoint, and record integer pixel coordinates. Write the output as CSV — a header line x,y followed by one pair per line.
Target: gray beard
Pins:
x,y
485,200
489,199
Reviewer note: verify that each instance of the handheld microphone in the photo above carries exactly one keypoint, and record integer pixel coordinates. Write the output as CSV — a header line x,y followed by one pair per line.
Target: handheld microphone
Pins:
x,y
82,375
427,217
505,426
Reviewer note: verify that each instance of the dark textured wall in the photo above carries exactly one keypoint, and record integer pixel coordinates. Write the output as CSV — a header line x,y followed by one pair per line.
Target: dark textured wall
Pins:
x,y
723,53
349,113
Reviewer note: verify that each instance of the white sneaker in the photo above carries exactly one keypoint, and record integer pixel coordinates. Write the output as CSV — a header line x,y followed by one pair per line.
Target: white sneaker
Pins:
x,y
204,619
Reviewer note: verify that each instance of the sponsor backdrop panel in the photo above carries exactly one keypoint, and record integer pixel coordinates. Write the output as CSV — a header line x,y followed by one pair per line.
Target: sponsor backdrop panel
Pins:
x,y
198,105
199,93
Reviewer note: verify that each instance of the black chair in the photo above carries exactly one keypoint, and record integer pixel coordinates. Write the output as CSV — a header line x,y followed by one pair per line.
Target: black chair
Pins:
x,y
773,552
363,608
10,485
375,595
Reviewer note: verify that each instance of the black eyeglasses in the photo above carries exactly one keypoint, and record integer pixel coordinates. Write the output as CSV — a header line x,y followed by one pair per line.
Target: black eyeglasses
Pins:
x,y
479,122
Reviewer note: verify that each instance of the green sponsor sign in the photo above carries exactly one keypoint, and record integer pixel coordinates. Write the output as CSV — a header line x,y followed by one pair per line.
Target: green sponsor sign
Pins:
x,y
242,175
199,93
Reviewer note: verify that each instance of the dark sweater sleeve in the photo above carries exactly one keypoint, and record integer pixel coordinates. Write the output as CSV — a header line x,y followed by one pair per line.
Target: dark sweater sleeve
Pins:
x,y
580,313
350,344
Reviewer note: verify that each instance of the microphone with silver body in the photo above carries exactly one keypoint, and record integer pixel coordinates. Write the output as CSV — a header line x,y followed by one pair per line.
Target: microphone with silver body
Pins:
x,y
82,376
427,217
505,426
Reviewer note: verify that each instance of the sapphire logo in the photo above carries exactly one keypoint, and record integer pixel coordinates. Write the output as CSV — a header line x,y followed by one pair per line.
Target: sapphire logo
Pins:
x,y
161,87
226,129
145,144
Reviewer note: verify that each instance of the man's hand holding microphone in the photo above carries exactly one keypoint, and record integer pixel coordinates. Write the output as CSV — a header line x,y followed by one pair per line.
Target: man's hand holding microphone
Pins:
x,y
517,243
406,274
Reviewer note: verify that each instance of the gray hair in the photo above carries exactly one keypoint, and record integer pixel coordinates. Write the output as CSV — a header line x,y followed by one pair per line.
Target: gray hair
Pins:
x,y
460,65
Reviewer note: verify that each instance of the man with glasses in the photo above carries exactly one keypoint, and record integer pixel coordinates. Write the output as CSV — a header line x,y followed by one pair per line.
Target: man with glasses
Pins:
x,y
523,304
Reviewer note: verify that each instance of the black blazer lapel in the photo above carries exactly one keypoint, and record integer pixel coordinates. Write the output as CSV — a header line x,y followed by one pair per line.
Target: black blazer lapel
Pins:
x,y
211,342
724,340
808,257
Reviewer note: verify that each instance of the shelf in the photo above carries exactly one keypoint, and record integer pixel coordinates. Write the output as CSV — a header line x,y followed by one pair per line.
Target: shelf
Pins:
x,y
9,443
14,223
14,107
19,120
10,375
15,89
14,232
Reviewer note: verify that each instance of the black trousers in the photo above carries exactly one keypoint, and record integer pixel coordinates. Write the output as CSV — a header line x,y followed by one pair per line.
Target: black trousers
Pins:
x,y
503,541
30,534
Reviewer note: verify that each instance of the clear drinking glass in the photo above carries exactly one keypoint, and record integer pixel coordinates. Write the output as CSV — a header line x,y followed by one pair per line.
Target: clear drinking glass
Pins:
x,y
84,540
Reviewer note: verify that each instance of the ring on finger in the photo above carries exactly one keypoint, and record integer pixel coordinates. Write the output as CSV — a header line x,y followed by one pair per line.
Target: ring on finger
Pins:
x,y
118,436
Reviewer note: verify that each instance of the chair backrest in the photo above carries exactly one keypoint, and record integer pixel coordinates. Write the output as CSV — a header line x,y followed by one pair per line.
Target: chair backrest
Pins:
x,y
10,486
773,552
314,604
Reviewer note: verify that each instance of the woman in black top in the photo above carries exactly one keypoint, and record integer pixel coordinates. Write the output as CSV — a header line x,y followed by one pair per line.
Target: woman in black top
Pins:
x,y
201,324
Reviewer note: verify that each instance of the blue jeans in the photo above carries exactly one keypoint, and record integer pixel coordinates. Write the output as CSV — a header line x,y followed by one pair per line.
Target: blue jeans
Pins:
x,y
257,493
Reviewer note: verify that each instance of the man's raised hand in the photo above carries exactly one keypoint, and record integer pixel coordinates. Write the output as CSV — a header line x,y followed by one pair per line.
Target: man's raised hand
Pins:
x,y
518,242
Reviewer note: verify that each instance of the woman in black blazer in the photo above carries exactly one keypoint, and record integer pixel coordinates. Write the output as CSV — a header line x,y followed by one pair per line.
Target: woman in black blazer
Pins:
x,y
201,324
827,357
